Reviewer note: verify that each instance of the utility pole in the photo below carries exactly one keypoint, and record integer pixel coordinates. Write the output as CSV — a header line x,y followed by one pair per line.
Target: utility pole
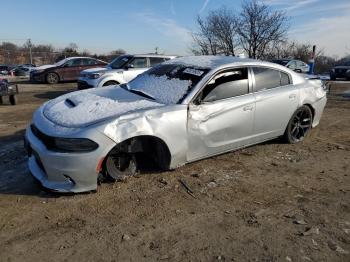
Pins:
x,y
30,50
156,49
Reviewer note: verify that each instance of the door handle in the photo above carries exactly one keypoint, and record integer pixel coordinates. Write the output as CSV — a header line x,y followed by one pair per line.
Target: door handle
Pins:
x,y
248,108
292,96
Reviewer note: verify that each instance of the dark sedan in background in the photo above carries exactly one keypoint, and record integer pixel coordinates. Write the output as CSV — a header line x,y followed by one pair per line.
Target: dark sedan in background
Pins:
x,y
67,69
341,71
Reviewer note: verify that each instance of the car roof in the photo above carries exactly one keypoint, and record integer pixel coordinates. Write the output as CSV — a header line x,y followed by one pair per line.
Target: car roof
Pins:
x,y
154,55
214,62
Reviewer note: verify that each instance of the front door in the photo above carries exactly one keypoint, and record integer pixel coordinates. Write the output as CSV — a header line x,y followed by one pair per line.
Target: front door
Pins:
x,y
136,66
221,117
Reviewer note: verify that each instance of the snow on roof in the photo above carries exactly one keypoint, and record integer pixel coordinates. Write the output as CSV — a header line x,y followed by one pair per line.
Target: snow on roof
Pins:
x,y
90,108
161,88
208,61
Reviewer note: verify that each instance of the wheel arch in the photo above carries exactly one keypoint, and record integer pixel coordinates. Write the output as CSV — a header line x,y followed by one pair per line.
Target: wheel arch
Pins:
x,y
311,108
149,144
106,79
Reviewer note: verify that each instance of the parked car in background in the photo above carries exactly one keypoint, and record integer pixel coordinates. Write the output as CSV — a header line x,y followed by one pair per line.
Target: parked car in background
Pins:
x,y
22,70
295,65
121,70
4,70
180,111
67,69
341,71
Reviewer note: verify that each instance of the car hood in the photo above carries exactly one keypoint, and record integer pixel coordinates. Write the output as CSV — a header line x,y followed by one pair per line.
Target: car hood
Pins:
x,y
95,70
87,107
42,67
342,67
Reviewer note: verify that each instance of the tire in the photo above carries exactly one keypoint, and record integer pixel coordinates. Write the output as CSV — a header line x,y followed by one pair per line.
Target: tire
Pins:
x,y
299,125
111,83
1,100
333,78
120,166
52,78
13,100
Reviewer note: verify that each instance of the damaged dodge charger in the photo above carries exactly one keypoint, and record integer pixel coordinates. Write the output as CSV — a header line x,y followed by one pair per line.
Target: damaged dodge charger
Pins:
x,y
178,112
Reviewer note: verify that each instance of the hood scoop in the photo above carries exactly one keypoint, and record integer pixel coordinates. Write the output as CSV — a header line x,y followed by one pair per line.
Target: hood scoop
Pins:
x,y
69,103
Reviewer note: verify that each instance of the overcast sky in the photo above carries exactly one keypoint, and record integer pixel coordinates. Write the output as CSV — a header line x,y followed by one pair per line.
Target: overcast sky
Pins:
x,y
140,26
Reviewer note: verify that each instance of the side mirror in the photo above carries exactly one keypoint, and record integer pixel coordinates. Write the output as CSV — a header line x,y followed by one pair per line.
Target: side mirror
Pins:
x,y
130,66
65,65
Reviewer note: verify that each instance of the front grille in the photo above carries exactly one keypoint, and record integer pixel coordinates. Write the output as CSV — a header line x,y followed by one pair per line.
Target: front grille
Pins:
x,y
48,141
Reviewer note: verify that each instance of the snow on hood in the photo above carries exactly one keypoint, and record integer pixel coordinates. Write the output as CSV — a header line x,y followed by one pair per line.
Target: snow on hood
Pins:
x,y
87,107
161,88
43,67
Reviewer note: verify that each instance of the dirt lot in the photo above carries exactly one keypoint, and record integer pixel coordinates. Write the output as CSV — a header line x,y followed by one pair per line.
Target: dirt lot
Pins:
x,y
270,202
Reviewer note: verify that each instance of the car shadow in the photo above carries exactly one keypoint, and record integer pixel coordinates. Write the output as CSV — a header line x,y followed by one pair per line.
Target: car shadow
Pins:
x,y
15,178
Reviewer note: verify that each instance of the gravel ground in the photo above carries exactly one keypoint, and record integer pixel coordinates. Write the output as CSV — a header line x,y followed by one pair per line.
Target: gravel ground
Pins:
x,y
270,202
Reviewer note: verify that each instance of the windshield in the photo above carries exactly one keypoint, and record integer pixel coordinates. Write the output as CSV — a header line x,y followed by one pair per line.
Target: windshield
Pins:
x,y
119,62
281,62
61,62
167,83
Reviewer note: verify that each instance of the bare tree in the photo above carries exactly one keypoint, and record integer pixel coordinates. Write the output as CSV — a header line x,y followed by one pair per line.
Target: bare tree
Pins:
x,y
216,33
205,38
259,28
223,27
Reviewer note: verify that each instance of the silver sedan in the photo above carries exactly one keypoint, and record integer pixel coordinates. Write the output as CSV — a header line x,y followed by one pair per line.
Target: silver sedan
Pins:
x,y
178,112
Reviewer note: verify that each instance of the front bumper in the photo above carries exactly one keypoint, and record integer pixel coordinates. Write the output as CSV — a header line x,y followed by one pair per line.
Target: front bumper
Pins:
x,y
63,172
85,83
37,77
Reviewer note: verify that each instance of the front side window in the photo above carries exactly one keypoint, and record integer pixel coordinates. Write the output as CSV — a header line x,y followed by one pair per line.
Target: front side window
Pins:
x,y
266,78
226,84
74,62
138,62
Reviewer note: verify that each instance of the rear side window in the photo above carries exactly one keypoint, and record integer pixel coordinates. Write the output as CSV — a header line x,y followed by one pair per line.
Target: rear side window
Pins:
x,y
156,60
266,78
226,85
285,80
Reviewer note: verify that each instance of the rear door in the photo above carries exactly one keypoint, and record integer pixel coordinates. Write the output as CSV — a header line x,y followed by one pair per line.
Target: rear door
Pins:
x,y
276,100
135,67
222,118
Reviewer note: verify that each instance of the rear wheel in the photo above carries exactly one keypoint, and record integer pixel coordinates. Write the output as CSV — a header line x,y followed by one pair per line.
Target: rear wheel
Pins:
x,y
121,165
52,78
299,125
1,100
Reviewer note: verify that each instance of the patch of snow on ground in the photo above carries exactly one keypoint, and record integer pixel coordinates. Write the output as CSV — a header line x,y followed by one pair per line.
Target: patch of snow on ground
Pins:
x,y
90,108
164,90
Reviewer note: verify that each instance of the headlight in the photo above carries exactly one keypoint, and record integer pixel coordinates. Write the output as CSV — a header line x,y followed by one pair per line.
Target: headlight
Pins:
x,y
94,76
73,145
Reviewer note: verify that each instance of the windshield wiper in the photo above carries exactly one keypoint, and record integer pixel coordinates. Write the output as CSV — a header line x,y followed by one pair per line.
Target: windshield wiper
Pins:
x,y
138,92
